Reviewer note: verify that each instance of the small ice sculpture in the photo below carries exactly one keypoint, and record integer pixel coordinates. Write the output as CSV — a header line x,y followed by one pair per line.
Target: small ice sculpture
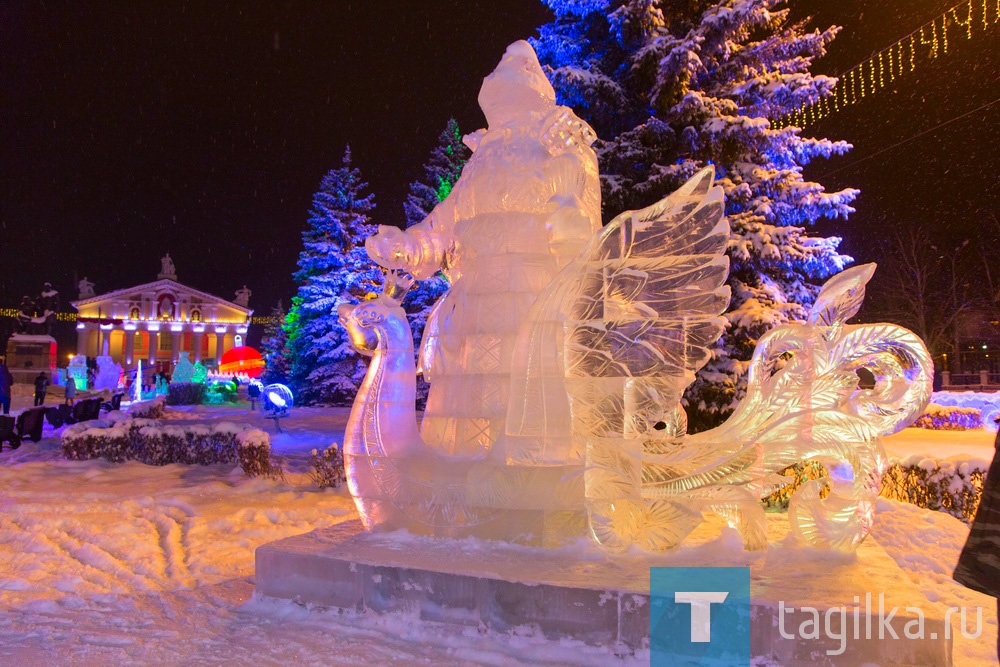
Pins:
x,y
199,374
108,375
137,383
77,370
183,369
561,347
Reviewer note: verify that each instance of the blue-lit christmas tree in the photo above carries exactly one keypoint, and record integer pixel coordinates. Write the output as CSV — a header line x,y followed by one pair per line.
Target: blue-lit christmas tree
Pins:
x,y
441,170
673,86
274,347
334,268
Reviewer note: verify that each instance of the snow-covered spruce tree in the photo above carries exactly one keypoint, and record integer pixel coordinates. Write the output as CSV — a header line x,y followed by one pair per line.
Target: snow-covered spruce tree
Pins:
x,y
671,86
334,268
441,170
274,347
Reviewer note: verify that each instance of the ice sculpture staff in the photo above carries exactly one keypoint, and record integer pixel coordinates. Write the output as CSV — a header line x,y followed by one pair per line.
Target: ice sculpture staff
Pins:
x,y
526,204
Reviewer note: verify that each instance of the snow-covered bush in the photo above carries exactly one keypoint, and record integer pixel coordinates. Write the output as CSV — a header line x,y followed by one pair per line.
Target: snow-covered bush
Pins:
x,y
151,409
185,393
945,486
950,418
254,452
326,468
149,442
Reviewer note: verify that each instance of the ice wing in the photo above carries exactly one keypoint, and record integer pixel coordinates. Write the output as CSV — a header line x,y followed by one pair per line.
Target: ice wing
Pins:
x,y
613,341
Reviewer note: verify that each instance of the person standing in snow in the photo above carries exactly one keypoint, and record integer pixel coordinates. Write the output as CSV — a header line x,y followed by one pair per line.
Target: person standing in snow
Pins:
x,y
70,389
6,382
41,386
979,563
253,393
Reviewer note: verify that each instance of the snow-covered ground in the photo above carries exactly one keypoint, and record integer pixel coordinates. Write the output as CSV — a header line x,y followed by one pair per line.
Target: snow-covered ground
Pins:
x,y
104,564
941,445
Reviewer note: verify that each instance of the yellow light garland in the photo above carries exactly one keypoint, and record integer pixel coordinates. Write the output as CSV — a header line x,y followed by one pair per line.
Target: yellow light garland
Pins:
x,y
868,77
933,43
967,24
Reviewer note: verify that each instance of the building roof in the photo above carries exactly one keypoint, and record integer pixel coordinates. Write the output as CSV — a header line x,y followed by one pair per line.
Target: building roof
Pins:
x,y
159,285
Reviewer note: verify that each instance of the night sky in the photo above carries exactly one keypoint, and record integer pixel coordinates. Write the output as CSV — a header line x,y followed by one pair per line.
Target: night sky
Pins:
x,y
922,153
130,129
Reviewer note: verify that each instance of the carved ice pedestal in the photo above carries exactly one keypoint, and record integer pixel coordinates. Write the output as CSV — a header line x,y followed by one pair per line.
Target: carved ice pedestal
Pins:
x,y
580,592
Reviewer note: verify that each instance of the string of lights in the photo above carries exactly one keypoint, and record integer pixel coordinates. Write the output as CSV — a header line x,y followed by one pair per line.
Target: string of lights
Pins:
x,y
925,44
60,317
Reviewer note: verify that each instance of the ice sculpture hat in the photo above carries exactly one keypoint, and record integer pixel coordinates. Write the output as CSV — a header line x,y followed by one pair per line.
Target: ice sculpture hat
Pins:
x,y
516,87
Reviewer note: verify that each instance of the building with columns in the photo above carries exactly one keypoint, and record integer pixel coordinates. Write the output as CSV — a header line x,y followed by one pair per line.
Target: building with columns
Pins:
x,y
156,321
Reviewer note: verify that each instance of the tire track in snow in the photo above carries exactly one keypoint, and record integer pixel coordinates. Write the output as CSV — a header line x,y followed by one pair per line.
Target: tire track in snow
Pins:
x,y
103,581
95,556
172,536
120,563
184,524
156,527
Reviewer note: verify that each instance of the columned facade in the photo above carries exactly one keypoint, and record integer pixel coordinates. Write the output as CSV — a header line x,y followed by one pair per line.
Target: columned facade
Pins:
x,y
153,345
196,339
158,321
129,348
83,335
220,345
